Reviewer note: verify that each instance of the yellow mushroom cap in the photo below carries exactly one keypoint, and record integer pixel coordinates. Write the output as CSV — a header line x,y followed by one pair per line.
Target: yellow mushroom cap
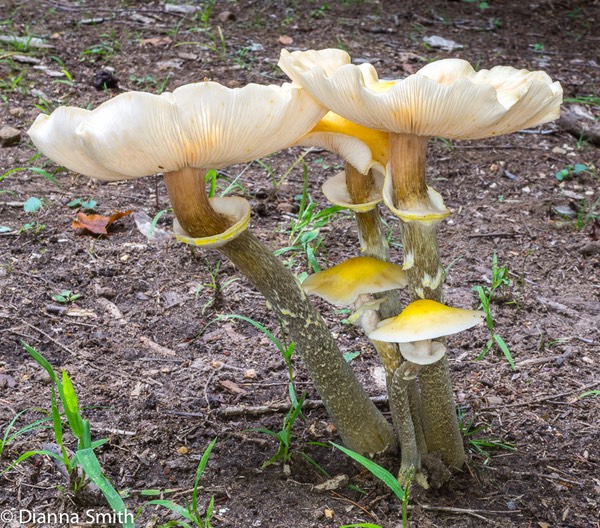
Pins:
x,y
446,98
425,319
360,146
342,284
203,125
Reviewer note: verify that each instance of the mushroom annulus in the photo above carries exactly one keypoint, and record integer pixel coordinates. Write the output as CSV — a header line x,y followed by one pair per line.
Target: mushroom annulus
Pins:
x,y
205,126
449,99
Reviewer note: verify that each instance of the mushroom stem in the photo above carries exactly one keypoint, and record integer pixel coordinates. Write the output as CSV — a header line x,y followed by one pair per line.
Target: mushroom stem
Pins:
x,y
187,192
410,453
360,424
370,228
440,422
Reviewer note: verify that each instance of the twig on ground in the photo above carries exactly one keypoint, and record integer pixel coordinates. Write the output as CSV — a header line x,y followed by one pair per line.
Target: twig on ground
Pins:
x,y
466,511
335,494
548,397
57,343
256,410
496,235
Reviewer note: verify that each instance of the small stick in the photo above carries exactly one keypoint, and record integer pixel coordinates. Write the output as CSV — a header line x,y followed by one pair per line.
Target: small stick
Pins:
x,y
278,407
545,398
355,504
495,235
60,345
464,511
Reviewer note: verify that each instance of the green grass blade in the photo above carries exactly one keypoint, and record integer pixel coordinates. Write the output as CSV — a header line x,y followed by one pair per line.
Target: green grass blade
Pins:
x,y
259,327
41,360
29,454
362,525
376,470
88,461
505,350
199,471
179,510
45,174
71,406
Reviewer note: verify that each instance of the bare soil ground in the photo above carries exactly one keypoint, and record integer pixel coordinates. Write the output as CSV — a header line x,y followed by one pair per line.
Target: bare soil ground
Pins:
x,y
160,384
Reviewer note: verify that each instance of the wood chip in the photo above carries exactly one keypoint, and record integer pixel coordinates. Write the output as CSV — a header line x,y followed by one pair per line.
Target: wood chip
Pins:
x,y
156,348
232,387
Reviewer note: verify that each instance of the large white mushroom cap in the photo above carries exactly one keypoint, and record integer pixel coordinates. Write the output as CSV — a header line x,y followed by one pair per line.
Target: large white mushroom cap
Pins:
x,y
446,98
204,125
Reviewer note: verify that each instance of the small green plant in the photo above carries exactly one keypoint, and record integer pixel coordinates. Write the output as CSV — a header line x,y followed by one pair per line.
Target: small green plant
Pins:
x,y
538,47
284,435
481,446
320,12
572,170
304,231
82,467
33,206
587,212
66,296
190,511
215,179
150,83
87,204
8,437
402,493
215,285
482,5
486,296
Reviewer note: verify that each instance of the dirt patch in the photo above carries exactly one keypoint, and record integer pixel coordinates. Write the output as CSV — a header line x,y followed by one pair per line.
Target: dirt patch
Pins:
x,y
155,379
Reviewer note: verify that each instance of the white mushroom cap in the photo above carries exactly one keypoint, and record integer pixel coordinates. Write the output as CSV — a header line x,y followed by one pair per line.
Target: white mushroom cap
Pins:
x,y
446,98
425,319
203,125
342,284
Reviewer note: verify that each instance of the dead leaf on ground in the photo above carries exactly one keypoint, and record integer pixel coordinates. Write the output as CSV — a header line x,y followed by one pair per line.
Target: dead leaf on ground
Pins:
x,y
232,387
286,40
97,224
157,41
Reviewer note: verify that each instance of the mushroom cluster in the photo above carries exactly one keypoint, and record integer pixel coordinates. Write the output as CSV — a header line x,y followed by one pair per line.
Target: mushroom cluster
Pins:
x,y
449,99
380,129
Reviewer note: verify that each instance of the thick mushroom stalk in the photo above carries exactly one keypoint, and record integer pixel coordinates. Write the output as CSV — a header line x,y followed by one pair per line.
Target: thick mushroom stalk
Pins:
x,y
206,125
447,98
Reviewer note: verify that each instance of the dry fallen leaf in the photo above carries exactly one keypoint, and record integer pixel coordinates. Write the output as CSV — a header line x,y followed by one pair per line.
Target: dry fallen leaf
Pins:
x,y
232,387
97,224
157,41
286,40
